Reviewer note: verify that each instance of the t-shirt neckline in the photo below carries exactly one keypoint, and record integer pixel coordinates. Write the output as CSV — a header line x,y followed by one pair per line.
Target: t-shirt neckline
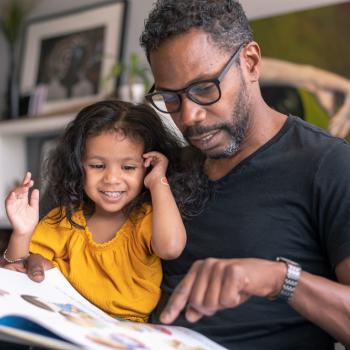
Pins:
x,y
285,127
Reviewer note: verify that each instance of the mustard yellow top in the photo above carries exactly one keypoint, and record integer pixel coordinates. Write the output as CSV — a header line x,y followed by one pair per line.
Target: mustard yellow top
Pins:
x,y
121,277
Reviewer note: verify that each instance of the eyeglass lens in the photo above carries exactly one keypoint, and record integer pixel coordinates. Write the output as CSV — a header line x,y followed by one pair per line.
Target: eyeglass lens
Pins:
x,y
203,93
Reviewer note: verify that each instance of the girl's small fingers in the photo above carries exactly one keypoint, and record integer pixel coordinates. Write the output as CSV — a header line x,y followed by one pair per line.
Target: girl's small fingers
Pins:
x,y
147,162
27,177
34,199
147,155
153,154
24,188
27,181
21,192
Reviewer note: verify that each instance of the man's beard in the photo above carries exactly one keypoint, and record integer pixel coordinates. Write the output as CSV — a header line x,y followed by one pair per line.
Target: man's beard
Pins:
x,y
237,128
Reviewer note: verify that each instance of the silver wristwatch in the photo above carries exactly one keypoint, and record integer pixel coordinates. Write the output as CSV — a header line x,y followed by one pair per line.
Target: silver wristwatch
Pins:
x,y
291,280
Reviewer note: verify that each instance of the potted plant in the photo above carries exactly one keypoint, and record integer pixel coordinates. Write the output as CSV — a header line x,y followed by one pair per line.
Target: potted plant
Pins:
x,y
137,77
12,18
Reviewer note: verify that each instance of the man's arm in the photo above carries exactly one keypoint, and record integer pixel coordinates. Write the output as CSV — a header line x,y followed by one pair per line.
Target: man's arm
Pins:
x,y
215,284
34,266
326,303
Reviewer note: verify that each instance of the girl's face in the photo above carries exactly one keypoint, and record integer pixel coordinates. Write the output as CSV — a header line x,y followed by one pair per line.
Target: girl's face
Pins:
x,y
114,171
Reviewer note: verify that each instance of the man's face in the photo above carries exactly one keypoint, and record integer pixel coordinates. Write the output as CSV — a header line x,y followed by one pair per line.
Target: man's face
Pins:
x,y
218,129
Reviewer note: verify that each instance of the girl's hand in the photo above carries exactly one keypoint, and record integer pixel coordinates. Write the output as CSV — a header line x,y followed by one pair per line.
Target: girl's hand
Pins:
x,y
159,164
22,210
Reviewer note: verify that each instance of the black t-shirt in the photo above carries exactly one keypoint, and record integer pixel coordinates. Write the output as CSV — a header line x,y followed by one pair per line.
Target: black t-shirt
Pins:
x,y
290,198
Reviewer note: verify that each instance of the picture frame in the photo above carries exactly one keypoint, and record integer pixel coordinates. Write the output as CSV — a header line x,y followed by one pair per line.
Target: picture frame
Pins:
x,y
71,53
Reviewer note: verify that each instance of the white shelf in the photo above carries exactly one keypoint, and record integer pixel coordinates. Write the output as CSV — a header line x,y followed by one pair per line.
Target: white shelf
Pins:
x,y
34,125
13,134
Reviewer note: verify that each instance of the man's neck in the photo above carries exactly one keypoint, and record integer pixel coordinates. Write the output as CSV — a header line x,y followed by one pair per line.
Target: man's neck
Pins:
x,y
259,133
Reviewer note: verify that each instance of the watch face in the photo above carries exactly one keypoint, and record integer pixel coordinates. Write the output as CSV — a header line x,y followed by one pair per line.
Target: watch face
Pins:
x,y
287,261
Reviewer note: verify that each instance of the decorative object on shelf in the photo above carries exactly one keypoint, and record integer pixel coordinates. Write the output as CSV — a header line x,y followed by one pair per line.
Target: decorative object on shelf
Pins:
x,y
65,53
137,77
12,18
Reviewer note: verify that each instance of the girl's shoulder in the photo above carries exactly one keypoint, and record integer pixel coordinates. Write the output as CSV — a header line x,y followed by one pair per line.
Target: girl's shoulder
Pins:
x,y
57,217
146,208
142,212
140,219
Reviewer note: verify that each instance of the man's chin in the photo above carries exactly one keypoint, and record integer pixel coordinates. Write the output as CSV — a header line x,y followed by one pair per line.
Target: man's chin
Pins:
x,y
220,153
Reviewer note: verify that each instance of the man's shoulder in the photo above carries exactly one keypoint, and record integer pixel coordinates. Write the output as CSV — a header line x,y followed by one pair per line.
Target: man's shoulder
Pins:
x,y
306,134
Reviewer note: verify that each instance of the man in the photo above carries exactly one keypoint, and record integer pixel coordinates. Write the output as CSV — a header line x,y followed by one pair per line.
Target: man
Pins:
x,y
282,192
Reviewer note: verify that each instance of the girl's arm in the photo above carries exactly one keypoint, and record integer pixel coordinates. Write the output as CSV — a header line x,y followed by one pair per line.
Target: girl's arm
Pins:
x,y
23,213
169,234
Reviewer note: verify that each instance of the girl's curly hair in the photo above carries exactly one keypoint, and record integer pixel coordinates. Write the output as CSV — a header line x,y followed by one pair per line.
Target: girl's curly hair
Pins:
x,y
65,172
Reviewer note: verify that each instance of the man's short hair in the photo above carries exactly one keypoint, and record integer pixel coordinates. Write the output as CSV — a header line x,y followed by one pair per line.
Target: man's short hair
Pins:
x,y
224,20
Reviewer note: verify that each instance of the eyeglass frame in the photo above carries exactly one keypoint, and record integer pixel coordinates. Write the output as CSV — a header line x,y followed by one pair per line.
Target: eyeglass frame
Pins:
x,y
217,80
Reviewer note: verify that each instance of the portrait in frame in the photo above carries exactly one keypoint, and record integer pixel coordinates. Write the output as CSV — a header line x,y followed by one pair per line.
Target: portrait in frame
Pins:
x,y
71,53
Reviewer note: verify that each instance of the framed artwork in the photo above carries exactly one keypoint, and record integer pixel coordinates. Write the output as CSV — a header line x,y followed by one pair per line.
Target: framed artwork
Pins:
x,y
67,56
306,65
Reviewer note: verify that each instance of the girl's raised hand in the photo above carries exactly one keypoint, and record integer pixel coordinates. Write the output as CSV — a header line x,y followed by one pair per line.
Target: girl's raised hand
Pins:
x,y
159,163
22,209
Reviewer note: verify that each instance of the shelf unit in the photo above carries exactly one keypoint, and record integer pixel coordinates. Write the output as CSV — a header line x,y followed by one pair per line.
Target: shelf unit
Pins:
x,y
13,135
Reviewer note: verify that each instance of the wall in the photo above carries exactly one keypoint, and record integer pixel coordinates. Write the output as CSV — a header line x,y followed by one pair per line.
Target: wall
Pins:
x,y
265,8
138,10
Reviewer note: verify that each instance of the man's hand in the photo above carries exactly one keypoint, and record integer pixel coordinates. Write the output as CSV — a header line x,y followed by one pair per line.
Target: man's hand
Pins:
x,y
215,284
34,266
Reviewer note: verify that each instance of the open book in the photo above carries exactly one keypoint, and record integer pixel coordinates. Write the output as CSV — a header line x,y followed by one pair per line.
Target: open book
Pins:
x,y
54,315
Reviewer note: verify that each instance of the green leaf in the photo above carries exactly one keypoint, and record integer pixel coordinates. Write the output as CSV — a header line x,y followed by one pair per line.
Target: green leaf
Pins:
x,y
12,17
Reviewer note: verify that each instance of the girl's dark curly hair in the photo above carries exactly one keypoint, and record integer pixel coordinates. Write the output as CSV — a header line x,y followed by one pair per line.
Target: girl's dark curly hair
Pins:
x,y
65,172
224,21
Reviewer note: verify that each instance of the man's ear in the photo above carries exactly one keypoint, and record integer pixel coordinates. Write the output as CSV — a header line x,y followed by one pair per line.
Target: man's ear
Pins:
x,y
252,59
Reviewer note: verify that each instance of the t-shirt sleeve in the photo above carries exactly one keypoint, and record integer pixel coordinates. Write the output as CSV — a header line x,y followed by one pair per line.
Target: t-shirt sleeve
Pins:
x,y
332,202
49,239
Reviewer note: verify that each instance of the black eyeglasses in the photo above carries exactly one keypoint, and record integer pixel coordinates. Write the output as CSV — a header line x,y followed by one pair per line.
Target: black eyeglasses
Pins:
x,y
204,92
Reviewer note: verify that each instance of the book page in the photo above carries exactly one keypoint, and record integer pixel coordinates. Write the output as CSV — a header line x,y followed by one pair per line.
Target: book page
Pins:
x,y
55,305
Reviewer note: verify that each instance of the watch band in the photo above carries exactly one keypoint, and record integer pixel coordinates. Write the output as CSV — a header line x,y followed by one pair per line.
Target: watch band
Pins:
x,y
291,280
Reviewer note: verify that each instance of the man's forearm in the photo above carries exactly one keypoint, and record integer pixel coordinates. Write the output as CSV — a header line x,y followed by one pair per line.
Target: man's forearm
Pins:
x,y
325,303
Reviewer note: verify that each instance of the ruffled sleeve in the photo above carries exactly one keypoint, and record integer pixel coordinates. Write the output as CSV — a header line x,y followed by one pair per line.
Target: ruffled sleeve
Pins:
x,y
50,237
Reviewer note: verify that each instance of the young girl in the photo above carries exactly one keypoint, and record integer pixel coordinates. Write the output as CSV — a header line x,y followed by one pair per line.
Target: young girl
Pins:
x,y
103,233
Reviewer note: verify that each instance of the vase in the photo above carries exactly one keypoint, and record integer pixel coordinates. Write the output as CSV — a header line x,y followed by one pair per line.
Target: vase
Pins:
x,y
132,93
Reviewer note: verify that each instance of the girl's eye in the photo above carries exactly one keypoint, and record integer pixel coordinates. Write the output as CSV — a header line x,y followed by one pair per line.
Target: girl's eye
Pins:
x,y
129,167
96,166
